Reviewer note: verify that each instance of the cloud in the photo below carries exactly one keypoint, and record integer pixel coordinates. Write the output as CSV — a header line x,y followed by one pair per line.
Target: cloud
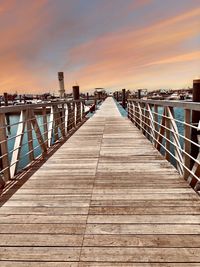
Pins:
x,y
178,59
98,43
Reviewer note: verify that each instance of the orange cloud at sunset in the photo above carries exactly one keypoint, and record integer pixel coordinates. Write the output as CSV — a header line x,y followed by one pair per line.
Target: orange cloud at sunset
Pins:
x,y
111,44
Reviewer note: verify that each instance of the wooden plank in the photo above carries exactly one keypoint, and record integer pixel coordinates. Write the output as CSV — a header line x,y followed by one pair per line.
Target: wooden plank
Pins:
x,y
143,229
160,241
49,210
43,219
145,219
41,253
121,210
51,228
134,264
128,254
38,240
40,264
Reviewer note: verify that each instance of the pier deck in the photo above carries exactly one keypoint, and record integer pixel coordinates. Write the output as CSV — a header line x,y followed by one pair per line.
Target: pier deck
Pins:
x,y
105,198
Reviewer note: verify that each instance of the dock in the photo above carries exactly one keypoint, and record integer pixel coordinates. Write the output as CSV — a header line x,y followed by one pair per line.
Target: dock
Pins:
x,y
106,197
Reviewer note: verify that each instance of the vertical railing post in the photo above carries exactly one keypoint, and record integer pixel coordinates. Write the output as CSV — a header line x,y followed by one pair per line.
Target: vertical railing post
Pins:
x,y
18,142
30,136
62,120
69,117
73,115
128,109
148,127
55,123
45,125
195,120
143,119
131,110
156,120
82,110
167,143
4,148
187,144
38,133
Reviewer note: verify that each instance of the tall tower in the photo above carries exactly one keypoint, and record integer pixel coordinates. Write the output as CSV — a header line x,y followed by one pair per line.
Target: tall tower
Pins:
x,y
61,84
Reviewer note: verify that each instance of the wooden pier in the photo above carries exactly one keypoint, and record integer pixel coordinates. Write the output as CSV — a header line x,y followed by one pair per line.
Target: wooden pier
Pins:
x,y
105,198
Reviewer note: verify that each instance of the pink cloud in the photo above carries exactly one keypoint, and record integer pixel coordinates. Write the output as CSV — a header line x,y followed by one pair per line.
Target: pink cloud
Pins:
x,y
127,54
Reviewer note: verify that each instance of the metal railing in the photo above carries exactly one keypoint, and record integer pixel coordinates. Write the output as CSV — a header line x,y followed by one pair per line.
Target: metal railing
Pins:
x,y
28,132
169,127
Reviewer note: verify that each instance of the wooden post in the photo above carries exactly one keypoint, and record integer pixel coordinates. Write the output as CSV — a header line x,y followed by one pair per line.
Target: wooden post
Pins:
x,y
124,98
117,96
61,84
195,120
5,96
139,93
7,115
87,96
76,95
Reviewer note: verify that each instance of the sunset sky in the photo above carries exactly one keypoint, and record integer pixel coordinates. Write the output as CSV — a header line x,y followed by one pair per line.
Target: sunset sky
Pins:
x,y
113,44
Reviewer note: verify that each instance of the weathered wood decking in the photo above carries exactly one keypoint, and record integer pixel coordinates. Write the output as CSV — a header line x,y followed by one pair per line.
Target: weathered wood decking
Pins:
x,y
105,198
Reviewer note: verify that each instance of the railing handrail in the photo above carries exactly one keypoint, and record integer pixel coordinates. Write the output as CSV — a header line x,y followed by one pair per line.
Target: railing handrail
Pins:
x,y
161,128
34,133
18,108
170,103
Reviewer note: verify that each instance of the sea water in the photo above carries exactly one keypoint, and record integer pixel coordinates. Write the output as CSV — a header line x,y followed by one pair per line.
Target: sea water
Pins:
x,y
24,156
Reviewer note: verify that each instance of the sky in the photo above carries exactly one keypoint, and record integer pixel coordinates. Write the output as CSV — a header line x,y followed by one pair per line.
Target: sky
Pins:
x,y
112,44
